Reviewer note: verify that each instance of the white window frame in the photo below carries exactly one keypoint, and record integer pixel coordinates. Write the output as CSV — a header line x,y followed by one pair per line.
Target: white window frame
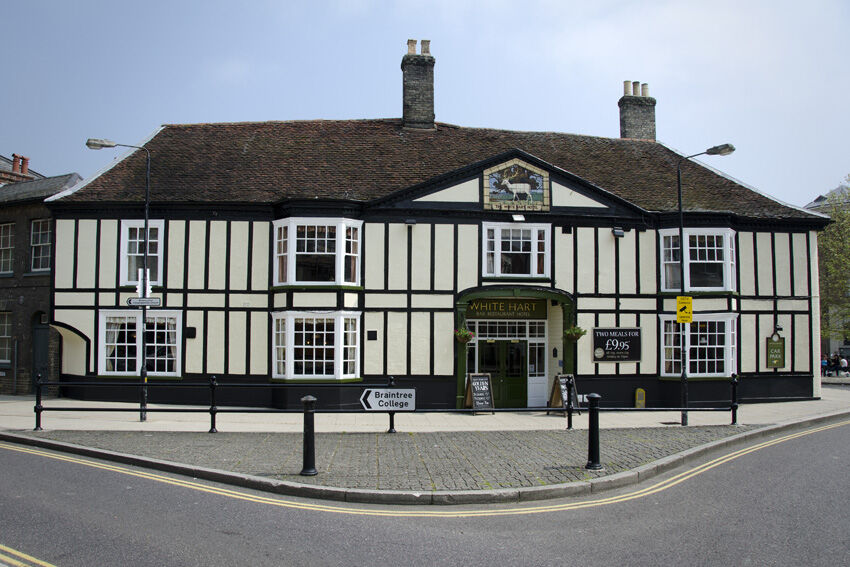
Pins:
x,y
38,245
127,278
7,248
728,235
498,228
730,347
136,314
283,330
5,337
289,249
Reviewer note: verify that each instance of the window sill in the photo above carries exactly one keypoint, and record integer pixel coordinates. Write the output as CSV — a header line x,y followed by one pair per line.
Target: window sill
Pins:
x,y
701,293
532,279
306,381
320,287
695,378
7,275
137,378
41,273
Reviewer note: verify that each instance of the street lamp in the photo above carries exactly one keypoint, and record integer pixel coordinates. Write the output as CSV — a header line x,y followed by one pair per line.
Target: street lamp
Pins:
x,y
721,150
98,144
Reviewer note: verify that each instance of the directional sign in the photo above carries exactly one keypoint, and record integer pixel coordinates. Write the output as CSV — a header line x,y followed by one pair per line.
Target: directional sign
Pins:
x,y
388,399
144,301
684,309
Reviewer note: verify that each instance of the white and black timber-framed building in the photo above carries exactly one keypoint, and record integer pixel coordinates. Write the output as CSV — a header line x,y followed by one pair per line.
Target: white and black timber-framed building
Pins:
x,y
351,250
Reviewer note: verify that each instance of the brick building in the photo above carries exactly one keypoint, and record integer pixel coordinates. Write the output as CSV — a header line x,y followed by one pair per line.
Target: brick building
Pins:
x,y
28,346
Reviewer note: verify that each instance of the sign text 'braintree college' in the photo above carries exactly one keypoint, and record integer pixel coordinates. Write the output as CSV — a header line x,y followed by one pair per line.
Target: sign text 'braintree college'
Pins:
x,y
388,399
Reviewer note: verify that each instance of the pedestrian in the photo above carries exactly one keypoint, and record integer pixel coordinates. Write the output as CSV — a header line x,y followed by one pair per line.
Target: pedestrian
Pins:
x,y
823,365
843,364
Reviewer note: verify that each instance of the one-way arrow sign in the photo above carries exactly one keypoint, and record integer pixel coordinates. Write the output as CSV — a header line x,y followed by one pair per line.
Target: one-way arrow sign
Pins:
x,y
388,399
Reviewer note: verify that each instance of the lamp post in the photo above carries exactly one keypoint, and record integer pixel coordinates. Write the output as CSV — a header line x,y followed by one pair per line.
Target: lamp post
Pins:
x,y
721,150
98,144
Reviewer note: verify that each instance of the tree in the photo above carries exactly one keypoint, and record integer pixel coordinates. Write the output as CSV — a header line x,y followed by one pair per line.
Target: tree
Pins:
x,y
834,262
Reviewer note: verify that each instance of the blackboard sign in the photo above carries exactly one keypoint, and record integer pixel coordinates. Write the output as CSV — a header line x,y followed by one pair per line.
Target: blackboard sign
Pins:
x,y
558,396
479,392
616,345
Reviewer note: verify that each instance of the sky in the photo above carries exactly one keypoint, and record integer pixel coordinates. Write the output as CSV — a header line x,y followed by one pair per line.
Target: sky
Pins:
x,y
771,77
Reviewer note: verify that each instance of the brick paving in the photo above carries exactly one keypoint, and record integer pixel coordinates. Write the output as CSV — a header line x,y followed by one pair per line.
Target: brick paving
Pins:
x,y
410,461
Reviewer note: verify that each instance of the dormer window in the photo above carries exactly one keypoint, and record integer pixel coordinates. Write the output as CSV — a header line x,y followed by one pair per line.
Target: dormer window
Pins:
x,y
317,251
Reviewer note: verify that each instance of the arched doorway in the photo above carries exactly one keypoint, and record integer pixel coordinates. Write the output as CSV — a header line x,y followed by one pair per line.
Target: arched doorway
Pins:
x,y
518,341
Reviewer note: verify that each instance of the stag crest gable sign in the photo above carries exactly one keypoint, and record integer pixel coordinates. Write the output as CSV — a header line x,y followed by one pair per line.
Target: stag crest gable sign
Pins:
x,y
516,186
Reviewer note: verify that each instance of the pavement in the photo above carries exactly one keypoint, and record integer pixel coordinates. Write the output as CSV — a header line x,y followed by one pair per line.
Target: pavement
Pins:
x,y
434,458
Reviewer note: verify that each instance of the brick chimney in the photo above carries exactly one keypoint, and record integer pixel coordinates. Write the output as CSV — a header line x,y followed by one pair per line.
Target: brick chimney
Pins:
x,y
637,111
418,86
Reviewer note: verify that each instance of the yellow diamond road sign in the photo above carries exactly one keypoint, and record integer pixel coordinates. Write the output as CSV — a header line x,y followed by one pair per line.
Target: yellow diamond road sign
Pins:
x,y
684,309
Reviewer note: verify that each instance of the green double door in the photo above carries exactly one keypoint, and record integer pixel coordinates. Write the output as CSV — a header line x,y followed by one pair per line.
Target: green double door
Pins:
x,y
507,364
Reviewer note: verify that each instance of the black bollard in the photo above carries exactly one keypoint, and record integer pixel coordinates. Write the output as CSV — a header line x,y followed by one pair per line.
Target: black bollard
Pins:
x,y
38,407
213,408
391,384
309,464
593,432
734,399
570,385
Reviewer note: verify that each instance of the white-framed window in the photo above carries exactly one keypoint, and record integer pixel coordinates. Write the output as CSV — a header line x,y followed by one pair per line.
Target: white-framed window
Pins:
x,y
7,247
311,345
317,251
5,337
711,345
709,259
133,250
120,342
40,245
515,249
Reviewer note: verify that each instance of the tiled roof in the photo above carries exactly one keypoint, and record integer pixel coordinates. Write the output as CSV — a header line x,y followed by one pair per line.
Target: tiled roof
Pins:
x,y
37,189
361,160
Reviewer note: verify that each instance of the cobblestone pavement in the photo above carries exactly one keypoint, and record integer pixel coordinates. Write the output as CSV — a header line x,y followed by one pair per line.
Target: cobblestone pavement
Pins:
x,y
424,461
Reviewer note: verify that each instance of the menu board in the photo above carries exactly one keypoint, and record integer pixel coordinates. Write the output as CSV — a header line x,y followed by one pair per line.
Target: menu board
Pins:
x,y
616,345
479,392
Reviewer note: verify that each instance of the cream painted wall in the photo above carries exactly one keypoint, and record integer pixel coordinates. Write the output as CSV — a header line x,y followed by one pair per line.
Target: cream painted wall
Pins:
x,y
260,356
420,343
397,343
606,266
64,276
197,253
86,247
586,344
73,352
445,256
765,263
747,331
373,252
747,283
109,239
803,359
444,344
466,192
218,254
421,264
565,197
554,340
236,355
397,265
563,260
373,351
215,342
649,345
238,256
782,258
194,347
586,260
799,255
260,259
467,257
648,265
628,271
176,253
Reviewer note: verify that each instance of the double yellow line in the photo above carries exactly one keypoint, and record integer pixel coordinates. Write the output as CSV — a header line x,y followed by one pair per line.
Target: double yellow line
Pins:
x,y
518,509
15,558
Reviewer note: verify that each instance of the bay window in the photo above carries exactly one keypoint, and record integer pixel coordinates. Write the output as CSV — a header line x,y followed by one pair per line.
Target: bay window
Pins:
x,y
310,345
711,345
515,250
120,342
317,251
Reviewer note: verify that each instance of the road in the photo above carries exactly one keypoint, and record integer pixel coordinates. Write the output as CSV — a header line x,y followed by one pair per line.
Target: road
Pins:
x,y
783,504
